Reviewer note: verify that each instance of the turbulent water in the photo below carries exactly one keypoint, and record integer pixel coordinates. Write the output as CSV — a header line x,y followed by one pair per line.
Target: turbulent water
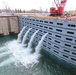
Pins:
x,y
18,60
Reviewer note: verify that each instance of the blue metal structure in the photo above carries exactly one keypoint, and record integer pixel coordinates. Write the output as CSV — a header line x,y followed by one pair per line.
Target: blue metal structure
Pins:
x,y
61,38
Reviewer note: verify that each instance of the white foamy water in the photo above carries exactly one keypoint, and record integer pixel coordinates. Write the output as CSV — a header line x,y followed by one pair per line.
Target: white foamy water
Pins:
x,y
3,49
22,54
7,62
5,54
20,34
25,36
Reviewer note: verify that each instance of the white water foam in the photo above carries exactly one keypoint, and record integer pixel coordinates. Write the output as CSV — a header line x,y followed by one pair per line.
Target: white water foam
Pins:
x,y
22,54
32,59
7,62
3,49
5,54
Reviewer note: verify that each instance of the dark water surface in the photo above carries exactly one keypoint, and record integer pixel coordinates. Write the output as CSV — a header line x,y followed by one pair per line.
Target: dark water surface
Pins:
x,y
46,65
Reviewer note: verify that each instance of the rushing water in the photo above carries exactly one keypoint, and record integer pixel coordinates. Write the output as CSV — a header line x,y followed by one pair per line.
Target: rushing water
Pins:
x,y
20,34
25,36
44,65
32,38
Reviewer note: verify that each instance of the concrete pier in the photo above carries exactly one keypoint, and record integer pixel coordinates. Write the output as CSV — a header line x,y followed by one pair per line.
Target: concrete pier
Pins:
x,y
9,25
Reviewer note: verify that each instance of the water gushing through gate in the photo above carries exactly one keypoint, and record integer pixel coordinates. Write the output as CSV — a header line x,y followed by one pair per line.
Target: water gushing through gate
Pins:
x,y
20,34
22,54
25,36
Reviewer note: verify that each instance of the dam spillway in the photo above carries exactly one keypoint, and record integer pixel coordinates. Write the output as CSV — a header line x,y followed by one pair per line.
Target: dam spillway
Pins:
x,y
20,58
61,38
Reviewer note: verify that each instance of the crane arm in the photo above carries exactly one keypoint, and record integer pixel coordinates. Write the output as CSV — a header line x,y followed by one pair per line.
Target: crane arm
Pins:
x,y
57,3
60,5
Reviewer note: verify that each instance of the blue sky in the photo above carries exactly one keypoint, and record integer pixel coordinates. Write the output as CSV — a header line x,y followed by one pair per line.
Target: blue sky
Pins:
x,y
35,4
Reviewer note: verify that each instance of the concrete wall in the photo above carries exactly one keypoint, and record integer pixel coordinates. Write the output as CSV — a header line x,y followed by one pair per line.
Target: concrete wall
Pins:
x,y
1,29
4,26
61,38
14,24
8,24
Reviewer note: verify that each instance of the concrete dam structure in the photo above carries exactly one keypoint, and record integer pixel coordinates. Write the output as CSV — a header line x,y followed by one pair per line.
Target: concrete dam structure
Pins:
x,y
61,38
8,25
